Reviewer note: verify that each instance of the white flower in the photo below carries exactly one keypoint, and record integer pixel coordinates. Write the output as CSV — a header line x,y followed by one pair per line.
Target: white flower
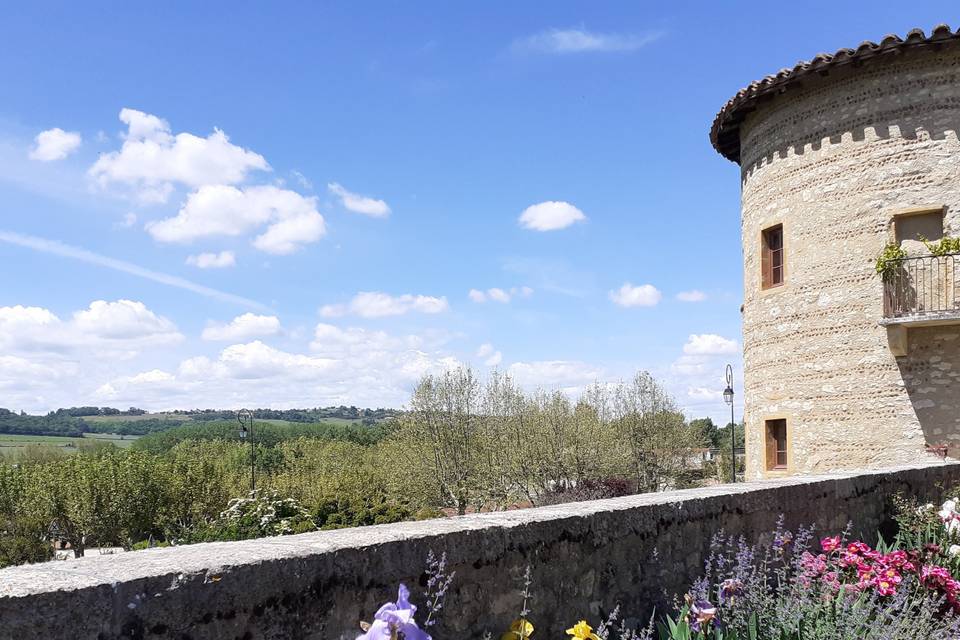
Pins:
x,y
954,550
949,505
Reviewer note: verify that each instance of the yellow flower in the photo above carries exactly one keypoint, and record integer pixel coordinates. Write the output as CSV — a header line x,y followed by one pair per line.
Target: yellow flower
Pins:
x,y
519,630
582,631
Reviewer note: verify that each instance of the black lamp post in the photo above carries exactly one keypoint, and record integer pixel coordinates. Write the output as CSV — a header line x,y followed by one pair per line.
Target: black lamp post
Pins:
x,y
728,398
244,417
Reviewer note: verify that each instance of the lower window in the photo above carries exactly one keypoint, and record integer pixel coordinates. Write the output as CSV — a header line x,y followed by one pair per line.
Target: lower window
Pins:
x,y
776,437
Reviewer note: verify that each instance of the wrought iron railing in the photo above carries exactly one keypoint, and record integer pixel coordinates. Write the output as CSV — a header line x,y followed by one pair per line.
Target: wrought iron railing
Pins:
x,y
926,286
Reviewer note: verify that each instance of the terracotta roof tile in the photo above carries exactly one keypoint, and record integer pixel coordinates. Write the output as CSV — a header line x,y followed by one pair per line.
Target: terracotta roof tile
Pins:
x,y
725,132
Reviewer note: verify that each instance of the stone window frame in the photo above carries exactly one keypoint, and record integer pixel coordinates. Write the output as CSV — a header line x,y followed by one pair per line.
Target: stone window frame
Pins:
x,y
767,469
761,241
909,212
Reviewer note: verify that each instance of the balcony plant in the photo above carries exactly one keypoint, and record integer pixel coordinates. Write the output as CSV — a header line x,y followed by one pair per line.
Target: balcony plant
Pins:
x,y
943,247
889,260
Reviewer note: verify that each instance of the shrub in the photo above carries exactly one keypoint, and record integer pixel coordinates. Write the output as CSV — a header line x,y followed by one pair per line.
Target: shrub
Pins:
x,y
261,513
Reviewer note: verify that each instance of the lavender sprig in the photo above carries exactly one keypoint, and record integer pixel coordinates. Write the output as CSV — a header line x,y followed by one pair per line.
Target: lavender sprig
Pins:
x,y
438,583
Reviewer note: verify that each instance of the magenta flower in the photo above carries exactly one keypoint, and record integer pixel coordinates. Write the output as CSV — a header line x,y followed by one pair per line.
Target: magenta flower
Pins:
x,y
830,544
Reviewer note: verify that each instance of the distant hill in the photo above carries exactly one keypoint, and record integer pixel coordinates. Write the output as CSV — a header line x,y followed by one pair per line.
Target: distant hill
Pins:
x,y
76,421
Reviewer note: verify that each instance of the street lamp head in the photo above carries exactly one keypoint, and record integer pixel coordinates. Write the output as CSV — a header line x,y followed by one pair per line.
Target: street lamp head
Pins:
x,y
728,395
244,417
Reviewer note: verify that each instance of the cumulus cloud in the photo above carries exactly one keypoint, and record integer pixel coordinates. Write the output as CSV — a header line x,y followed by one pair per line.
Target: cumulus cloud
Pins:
x,y
359,203
704,394
224,210
343,366
374,304
550,216
693,295
569,375
644,295
709,344
491,357
54,144
243,327
496,294
213,260
567,41
152,160
122,327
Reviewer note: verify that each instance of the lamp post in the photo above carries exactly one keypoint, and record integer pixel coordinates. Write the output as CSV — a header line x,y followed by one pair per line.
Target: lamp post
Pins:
x,y
728,398
245,418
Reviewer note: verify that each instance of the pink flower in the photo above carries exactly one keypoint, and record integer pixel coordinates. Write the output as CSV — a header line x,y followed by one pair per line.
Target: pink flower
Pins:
x,y
858,547
830,544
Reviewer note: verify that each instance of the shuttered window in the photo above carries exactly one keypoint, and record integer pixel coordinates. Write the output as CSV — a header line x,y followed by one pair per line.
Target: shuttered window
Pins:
x,y
772,257
776,444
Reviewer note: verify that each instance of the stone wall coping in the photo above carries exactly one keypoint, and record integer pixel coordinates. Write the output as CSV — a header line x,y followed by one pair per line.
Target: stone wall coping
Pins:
x,y
215,557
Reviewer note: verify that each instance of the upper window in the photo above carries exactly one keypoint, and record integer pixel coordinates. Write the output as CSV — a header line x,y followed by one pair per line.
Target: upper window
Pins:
x,y
776,444
922,225
771,259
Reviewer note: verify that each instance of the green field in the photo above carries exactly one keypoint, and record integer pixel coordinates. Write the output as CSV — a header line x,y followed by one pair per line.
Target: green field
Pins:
x,y
11,443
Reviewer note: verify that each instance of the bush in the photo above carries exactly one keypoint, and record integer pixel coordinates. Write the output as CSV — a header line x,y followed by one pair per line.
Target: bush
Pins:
x,y
262,513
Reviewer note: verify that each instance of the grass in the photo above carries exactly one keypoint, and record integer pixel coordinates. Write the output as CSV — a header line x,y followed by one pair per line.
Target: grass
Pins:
x,y
11,442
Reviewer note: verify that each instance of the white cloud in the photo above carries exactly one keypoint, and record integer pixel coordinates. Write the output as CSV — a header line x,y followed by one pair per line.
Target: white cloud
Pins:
x,y
302,180
213,260
563,41
152,159
374,304
344,366
121,328
129,219
151,377
704,394
693,295
644,295
550,216
123,320
709,344
566,374
224,210
243,327
491,357
54,144
477,296
290,234
496,294
359,203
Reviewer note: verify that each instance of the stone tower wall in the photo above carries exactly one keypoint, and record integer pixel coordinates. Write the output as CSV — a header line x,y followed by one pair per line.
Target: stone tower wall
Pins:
x,y
833,161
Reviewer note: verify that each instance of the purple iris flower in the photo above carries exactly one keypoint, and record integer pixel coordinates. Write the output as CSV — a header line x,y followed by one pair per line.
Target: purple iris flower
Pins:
x,y
701,613
395,620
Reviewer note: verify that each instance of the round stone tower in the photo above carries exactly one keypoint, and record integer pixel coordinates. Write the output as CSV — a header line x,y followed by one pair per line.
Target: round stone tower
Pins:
x,y
841,157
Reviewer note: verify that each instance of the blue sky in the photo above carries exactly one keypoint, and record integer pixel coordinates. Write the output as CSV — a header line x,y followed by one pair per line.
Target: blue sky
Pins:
x,y
225,204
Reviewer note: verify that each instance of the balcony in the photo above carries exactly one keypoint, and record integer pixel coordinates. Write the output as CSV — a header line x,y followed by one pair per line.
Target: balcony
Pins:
x,y
923,291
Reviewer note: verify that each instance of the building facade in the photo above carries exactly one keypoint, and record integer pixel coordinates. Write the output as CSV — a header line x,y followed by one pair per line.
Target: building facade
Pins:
x,y
842,157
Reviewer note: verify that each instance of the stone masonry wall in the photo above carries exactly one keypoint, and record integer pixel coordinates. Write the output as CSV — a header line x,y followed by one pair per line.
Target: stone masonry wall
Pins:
x,y
833,161
585,558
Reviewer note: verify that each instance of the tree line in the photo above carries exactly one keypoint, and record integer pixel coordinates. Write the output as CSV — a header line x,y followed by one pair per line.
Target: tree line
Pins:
x,y
466,444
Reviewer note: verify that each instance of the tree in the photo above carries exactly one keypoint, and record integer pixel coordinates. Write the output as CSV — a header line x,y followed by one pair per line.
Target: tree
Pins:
x,y
655,433
444,418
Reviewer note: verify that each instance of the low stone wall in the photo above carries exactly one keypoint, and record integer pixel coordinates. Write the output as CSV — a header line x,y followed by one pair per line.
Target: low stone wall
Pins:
x,y
585,558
